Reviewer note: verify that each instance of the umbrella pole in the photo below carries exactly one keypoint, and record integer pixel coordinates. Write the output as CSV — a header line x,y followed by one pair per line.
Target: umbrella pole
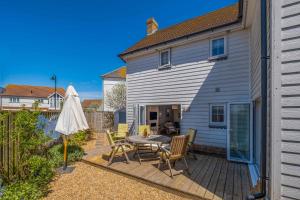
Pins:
x,y
65,152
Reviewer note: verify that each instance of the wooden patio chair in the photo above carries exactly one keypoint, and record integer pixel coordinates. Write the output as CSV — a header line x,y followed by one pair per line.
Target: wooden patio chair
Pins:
x,y
177,151
192,136
117,147
121,133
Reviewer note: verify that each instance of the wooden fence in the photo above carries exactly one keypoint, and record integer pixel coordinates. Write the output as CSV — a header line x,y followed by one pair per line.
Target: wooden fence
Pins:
x,y
8,146
98,121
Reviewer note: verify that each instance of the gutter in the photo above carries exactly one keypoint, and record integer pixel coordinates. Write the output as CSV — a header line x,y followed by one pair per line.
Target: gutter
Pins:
x,y
264,103
238,20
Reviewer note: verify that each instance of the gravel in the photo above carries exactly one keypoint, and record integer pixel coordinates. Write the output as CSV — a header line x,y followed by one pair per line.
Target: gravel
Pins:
x,y
89,182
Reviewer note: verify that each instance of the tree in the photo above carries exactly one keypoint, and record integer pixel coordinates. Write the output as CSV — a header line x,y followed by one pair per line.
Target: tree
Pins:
x,y
116,97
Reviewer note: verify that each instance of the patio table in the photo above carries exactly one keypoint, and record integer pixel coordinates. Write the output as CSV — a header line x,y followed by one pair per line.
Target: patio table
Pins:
x,y
138,140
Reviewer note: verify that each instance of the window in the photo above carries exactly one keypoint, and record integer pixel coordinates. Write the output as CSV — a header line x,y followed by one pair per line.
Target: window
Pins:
x,y
164,58
217,116
14,100
218,47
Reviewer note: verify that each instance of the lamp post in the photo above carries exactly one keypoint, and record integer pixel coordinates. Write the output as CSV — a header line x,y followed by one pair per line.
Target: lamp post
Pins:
x,y
53,78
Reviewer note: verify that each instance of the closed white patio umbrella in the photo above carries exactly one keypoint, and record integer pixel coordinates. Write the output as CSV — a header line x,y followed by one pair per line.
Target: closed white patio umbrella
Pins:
x,y
71,118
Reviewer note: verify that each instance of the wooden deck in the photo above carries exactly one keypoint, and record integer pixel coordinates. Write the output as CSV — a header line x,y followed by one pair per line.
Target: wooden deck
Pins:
x,y
211,177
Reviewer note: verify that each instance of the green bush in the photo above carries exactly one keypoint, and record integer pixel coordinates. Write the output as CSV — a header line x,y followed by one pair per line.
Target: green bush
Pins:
x,y
22,191
80,137
40,171
56,154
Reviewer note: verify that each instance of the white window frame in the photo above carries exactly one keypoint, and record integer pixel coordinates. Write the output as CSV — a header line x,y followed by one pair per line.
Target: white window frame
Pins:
x,y
211,57
169,58
14,100
217,124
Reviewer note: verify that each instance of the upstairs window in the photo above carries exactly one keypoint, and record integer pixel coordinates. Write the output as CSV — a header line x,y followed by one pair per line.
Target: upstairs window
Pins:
x,y
164,58
217,115
218,47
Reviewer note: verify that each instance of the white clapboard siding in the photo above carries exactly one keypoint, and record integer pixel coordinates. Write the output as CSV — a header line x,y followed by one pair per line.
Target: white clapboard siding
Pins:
x,y
290,101
192,81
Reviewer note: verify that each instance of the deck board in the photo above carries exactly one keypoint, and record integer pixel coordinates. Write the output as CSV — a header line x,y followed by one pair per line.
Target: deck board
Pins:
x,y
229,182
209,194
237,189
211,177
221,181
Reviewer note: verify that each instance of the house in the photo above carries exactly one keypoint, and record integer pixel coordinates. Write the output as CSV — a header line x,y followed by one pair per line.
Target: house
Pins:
x,y
92,104
16,97
232,74
109,80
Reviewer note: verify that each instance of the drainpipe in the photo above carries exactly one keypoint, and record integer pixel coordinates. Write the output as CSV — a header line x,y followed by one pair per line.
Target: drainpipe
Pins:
x,y
264,104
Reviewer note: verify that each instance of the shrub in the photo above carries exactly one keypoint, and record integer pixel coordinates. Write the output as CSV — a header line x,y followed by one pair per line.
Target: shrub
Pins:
x,y
80,137
22,190
55,154
40,171
29,140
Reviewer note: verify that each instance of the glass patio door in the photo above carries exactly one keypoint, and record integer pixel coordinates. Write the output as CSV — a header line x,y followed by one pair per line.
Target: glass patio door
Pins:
x,y
239,132
139,116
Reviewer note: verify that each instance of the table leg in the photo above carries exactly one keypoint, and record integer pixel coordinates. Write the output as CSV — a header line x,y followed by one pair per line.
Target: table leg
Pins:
x,y
138,154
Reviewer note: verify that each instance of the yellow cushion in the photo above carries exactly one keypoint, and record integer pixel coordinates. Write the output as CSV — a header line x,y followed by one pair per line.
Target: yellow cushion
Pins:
x,y
143,128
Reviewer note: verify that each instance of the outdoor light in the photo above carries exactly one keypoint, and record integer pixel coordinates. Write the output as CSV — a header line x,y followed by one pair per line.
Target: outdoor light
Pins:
x,y
53,78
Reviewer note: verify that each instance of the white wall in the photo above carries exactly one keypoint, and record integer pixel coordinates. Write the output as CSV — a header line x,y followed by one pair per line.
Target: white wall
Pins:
x,y
108,84
191,82
27,102
287,63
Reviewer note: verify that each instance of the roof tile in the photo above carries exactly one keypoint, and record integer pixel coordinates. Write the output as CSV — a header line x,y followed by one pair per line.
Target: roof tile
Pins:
x,y
30,91
221,17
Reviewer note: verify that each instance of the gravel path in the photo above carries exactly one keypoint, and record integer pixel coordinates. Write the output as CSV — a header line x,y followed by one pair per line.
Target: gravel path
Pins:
x,y
89,182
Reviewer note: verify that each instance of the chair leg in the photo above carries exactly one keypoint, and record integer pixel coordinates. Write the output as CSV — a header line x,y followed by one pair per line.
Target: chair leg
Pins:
x,y
174,163
160,161
194,154
168,162
186,165
125,154
113,155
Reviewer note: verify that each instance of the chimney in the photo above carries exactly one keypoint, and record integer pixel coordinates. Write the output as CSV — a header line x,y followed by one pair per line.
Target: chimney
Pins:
x,y
152,26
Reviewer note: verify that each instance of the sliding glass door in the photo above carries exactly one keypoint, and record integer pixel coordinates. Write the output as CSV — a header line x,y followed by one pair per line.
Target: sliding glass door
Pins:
x,y
239,132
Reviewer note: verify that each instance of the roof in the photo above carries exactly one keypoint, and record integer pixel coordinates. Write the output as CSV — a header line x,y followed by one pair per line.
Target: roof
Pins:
x,y
30,91
222,17
118,73
91,103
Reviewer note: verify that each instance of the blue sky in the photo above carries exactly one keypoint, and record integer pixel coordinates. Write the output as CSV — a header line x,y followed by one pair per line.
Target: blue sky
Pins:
x,y
79,40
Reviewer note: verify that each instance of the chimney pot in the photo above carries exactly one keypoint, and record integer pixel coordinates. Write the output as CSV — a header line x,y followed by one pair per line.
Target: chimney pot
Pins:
x,y
152,26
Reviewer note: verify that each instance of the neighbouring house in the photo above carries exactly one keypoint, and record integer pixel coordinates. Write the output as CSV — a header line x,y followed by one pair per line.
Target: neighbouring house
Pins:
x,y
109,80
92,104
232,74
16,97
